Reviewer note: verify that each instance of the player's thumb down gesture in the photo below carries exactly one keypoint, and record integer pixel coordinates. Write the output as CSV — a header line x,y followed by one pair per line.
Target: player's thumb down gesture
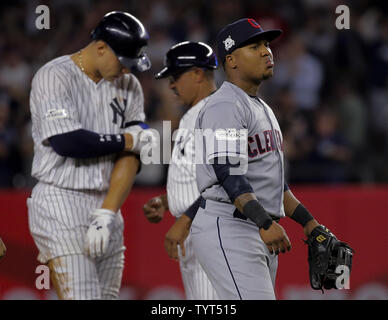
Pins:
x,y
98,234
276,239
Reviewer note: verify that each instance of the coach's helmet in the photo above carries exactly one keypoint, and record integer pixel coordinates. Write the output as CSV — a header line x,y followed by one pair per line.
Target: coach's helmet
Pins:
x,y
185,55
126,36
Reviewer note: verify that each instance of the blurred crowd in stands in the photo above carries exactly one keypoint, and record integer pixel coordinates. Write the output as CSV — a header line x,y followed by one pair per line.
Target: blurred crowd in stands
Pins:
x,y
329,91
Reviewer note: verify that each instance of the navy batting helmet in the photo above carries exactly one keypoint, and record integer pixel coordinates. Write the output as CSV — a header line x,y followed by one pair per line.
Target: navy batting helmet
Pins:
x,y
185,55
126,36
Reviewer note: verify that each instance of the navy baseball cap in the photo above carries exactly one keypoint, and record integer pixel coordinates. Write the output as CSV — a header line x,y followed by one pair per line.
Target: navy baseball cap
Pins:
x,y
239,33
185,55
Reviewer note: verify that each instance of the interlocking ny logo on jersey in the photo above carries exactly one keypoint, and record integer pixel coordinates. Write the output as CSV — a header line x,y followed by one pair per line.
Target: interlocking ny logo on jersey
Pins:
x,y
119,108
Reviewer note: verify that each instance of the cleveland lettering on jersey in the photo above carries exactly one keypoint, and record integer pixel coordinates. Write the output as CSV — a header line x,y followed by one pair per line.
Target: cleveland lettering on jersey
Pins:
x,y
264,142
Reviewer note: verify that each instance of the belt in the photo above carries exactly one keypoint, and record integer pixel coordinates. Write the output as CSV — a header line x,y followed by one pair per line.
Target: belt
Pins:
x,y
236,214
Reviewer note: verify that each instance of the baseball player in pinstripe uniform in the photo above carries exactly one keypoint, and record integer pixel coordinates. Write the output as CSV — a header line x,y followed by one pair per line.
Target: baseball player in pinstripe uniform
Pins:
x,y
189,67
87,124
235,235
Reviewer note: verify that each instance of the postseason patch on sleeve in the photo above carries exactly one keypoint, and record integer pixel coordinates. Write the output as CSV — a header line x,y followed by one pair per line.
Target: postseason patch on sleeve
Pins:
x,y
231,134
53,114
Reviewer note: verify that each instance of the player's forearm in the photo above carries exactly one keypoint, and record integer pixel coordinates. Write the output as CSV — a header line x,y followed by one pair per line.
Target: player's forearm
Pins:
x,y
84,144
297,212
243,199
122,178
290,203
164,199
241,193
248,204
185,220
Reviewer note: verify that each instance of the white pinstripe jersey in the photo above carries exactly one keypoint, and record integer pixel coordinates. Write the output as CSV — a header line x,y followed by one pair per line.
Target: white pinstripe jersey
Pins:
x,y
182,188
64,99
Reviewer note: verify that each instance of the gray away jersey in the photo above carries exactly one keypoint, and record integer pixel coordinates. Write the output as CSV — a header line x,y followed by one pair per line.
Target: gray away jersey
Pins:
x,y
64,99
232,110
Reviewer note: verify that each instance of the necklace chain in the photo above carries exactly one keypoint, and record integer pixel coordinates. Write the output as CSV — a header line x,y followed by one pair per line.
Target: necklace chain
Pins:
x,y
80,61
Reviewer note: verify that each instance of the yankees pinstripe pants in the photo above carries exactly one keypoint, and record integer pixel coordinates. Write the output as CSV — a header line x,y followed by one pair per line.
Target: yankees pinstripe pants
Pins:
x,y
58,221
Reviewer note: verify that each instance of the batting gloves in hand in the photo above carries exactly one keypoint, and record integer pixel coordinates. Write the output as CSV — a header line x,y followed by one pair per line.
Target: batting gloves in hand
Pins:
x,y
97,236
141,137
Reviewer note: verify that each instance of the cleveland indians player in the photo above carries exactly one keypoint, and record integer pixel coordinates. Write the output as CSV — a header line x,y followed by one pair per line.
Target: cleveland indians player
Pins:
x,y
87,125
189,68
235,235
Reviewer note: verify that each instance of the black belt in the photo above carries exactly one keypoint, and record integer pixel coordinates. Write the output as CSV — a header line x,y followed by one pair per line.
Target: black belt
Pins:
x,y
236,213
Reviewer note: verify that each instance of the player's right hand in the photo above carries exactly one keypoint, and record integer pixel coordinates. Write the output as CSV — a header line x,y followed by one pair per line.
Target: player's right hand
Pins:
x,y
98,234
275,238
177,236
154,210
3,249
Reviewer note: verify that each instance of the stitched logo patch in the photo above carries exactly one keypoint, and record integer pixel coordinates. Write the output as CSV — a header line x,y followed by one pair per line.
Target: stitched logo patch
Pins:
x,y
231,134
320,238
254,23
229,43
53,114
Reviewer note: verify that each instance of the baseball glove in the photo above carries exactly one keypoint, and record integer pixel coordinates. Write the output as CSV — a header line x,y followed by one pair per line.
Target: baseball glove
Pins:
x,y
330,260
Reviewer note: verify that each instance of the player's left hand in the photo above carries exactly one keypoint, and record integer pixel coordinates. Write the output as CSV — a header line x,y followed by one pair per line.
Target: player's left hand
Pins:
x,y
177,236
3,249
97,236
